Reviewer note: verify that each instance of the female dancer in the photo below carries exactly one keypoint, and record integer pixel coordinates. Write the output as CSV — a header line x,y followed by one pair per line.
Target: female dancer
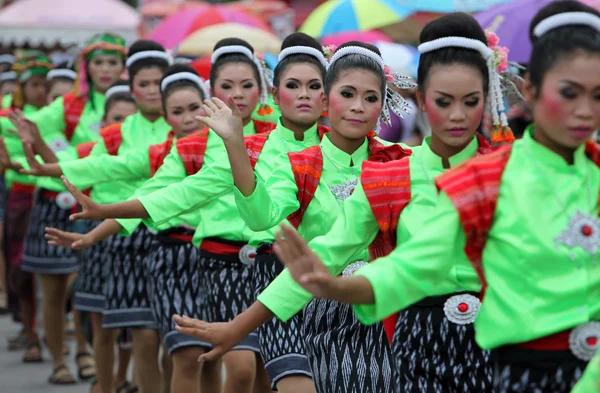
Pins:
x,y
29,98
542,329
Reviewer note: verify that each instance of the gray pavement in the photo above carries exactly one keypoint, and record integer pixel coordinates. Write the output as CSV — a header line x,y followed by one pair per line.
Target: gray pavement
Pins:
x,y
18,377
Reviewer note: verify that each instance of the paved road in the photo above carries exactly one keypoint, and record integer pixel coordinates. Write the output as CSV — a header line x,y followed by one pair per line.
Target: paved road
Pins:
x,y
17,377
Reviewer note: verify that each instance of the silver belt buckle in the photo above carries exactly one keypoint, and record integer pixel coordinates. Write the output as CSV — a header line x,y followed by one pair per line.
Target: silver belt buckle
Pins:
x,y
462,309
247,255
354,266
65,200
583,340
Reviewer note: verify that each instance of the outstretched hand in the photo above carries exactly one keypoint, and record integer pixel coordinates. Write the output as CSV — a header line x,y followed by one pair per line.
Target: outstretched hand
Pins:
x,y
223,336
5,158
90,210
304,265
224,119
27,130
35,167
73,240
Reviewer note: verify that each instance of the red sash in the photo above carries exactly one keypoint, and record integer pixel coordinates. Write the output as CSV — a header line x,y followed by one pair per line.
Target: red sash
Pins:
x,y
113,138
73,108
84,149
158,152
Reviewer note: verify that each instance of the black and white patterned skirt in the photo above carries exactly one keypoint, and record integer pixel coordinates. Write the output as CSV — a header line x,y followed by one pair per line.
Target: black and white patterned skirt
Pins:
x,y
39,256
434,355
126,290
175,288
93,270
281,343
227,285
518,370
3,197
345,355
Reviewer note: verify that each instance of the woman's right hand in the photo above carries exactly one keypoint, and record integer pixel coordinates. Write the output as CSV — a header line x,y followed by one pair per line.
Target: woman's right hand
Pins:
x,y
90,210
224,119
73,240
35,167
223,336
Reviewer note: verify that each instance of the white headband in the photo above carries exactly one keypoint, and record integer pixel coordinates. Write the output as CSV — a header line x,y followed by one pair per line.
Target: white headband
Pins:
x,y
567,19
224,50
356,50
392,100
456,42
8,76
116,90
186,76
62,73
7,59
147,54
306,50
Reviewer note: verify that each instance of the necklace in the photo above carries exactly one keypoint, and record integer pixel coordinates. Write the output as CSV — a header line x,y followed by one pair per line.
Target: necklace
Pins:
x,y
583,229
344,190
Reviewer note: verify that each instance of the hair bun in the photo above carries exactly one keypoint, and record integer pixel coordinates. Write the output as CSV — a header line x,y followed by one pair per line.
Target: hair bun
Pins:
x,y
457,24
233,42
300,39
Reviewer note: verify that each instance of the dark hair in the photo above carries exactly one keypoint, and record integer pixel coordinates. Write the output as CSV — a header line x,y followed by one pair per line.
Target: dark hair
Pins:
x,y
298,39
148,62
560,42
180,84
354,61
456,24
117,97
232,58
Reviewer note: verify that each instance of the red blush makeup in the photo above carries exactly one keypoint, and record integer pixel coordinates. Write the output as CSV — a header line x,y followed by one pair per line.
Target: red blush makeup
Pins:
x,y
552,107
436,119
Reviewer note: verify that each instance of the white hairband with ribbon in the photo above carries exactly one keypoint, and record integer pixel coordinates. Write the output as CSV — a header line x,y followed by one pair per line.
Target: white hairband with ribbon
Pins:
x,y
185,76
306,50
149,54
225,50
116,90
7,58
567,19
8,76
62,73
392,100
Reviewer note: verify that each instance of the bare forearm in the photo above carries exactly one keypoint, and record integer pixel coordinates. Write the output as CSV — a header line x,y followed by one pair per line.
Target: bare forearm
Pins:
x,y
104,230
243,175
46,153
255,316
127,209
52,170
352,290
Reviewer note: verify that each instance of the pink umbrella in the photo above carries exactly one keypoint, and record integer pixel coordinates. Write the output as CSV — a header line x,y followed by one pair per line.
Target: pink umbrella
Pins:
x,y
369,36
171,31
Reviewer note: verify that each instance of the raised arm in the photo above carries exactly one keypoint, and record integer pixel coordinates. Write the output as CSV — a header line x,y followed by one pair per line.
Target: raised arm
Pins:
x,y
226,121
272,200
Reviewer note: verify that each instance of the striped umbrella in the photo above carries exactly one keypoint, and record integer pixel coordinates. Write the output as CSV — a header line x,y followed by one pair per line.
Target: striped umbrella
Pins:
x,y
336,16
